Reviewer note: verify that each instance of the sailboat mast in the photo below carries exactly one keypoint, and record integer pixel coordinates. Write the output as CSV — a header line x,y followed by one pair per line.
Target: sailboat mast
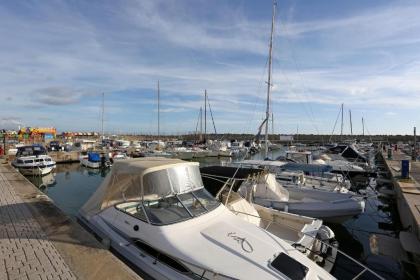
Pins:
x,y
342,121
351,124
270,54
363,126
201,123
102,115
158,105
205,115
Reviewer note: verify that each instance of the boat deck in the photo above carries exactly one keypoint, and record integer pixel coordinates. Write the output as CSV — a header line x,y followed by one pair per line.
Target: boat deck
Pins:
x,y
38,241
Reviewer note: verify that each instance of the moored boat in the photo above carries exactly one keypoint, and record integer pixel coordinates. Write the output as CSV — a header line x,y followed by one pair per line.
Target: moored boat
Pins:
x,y
156,213
33,160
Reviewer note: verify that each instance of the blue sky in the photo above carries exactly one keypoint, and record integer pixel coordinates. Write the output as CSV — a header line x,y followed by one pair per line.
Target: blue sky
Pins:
x,y
57,57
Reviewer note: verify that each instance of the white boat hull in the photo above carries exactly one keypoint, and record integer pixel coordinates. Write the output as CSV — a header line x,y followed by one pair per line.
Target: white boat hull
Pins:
x,y
89,164
328,206
36,171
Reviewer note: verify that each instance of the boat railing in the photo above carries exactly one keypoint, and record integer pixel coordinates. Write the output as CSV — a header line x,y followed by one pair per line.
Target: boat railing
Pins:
x,y
364,268
230,183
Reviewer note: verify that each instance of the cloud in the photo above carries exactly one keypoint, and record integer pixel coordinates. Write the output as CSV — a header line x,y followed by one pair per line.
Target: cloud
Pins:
x,y
78,51
390,113
10,122
56,96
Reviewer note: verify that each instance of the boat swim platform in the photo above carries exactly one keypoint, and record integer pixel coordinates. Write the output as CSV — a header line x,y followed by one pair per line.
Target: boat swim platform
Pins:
x,y
38,241
407,191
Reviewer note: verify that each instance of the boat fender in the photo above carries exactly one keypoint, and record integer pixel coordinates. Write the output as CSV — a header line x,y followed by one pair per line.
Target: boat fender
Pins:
x,y
286,208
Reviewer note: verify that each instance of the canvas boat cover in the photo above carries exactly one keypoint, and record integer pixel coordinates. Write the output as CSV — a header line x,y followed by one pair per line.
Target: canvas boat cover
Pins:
x,y
94,157
142,178
265,188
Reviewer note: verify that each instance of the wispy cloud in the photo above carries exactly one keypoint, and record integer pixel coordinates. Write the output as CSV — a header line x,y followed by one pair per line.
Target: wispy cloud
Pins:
x,y
57,96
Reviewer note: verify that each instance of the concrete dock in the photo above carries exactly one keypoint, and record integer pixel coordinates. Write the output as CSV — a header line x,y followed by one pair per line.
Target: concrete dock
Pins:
x,y
407,195
64,157
38,241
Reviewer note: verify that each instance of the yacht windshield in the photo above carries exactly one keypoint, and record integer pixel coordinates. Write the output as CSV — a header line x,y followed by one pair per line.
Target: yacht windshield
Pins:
x,y
172,209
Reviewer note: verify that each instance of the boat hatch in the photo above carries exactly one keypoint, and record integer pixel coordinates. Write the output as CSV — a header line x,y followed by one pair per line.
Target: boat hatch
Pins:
x,y
289,267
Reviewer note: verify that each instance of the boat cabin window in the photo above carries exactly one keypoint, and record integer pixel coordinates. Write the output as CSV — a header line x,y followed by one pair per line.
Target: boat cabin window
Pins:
x,y
161,257
39,160
19,161
47,159
29,161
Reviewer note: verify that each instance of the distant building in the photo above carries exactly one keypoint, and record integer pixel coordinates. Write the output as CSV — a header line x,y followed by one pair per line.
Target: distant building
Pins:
x,y
37,133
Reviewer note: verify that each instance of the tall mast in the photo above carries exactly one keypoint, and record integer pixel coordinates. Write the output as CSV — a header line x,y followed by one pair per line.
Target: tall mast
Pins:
x,y
270,54
205,115
363,126
201,124
158,105
102,115
342,121
351,124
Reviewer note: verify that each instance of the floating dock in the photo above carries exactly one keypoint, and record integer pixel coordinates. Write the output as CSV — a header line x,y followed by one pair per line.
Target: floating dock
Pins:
x,y
38,241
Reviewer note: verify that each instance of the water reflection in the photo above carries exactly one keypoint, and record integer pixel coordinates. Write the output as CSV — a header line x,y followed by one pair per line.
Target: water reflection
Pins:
x,y
43,182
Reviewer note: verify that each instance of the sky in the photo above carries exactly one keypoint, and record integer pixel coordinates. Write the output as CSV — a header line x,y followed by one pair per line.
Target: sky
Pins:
x,y
58,57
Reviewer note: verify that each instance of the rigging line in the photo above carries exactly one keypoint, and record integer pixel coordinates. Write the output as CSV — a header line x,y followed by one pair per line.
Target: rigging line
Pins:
x,y
300,100
211,114
304,87
336,120
256,103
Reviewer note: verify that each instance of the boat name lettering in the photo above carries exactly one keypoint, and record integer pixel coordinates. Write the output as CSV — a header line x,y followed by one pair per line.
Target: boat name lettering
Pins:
x,y
246,246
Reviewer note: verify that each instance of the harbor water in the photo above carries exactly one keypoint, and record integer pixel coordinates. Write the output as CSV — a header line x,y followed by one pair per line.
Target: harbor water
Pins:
x,y
71,185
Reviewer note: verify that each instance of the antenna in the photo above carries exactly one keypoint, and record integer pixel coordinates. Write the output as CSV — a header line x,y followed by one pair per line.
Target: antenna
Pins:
x,y
351,124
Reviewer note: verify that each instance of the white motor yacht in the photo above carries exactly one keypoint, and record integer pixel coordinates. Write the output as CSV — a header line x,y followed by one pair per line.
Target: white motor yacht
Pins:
x,y
293,175
331,207
261,187
156,213
33,160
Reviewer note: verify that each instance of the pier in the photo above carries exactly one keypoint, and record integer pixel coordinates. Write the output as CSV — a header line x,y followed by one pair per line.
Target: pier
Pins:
x,y
407,196
38,241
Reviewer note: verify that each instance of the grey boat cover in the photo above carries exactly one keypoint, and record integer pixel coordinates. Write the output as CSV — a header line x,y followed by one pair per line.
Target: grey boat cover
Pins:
x,y
143,179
